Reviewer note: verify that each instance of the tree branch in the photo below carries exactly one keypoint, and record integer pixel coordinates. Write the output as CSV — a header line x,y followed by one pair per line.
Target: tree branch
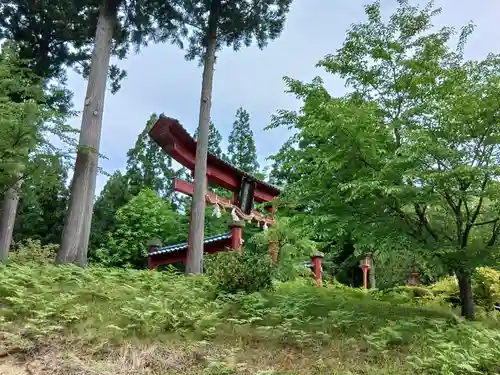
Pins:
x,y
494,221
481,199
494,234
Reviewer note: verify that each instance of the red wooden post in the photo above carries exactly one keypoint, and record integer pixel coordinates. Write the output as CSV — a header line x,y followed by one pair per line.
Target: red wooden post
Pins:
x,y
237,235
152,245
316,260
366,269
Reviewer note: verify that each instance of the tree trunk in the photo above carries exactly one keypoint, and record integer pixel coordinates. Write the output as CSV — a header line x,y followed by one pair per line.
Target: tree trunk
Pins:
x,y
371,276
82,258
194,264
466,298
8,219
74,241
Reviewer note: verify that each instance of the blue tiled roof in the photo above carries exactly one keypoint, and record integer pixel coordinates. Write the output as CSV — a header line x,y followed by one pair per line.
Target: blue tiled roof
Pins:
x,y
184,245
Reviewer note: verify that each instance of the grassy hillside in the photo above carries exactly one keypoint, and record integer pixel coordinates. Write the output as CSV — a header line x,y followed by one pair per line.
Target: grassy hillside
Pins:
x,y
64,320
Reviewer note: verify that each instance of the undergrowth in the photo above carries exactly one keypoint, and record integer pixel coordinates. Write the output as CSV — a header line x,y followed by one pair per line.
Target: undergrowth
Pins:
x,y
334,329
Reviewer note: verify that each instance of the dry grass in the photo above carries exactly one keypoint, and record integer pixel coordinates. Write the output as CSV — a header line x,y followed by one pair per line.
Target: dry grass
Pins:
x,y
193,358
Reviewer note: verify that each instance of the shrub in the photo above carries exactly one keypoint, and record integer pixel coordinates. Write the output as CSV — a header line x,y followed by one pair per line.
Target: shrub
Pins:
x,y
232,272
101,303
32,251
446,289
487,287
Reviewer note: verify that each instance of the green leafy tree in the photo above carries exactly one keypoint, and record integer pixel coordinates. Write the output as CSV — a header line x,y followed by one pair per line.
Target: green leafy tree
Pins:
x,y
25,123
147,168
43,200
115,194
144,217
407,160
214,24
241,150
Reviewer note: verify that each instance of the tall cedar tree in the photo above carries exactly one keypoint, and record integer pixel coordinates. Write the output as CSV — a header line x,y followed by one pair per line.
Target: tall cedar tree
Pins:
x,y
45,31
147,166
241,149
214,140
125,23
215,24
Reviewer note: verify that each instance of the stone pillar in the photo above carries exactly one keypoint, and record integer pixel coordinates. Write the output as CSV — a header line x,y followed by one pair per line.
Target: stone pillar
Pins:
x,y
317,260
236,227
152,245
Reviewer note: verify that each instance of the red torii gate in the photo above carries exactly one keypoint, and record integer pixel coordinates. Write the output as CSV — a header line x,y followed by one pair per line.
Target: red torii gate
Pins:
x,y
169,134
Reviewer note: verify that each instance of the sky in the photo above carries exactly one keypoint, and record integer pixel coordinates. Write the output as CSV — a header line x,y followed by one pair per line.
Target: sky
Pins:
x,y
160,80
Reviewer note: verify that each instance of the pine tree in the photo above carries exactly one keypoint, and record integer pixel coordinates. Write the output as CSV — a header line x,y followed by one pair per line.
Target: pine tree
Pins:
x,y
148,167
214,140
214,24
241,150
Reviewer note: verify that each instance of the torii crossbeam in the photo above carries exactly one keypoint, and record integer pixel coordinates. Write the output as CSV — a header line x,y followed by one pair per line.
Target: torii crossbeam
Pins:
x,y
169,134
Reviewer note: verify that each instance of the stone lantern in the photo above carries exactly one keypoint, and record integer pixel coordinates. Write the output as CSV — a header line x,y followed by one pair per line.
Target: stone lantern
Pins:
x,y
414,278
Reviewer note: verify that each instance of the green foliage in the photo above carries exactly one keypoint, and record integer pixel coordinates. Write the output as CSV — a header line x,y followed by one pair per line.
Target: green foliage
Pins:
x,y
232,272
487,287
214,140
407,159
19,132
65,32
44,195
28,125
144,217
239,23
33,251
294,247
147,166
106,306
241,144
454,348
105,303
114,195
446,288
